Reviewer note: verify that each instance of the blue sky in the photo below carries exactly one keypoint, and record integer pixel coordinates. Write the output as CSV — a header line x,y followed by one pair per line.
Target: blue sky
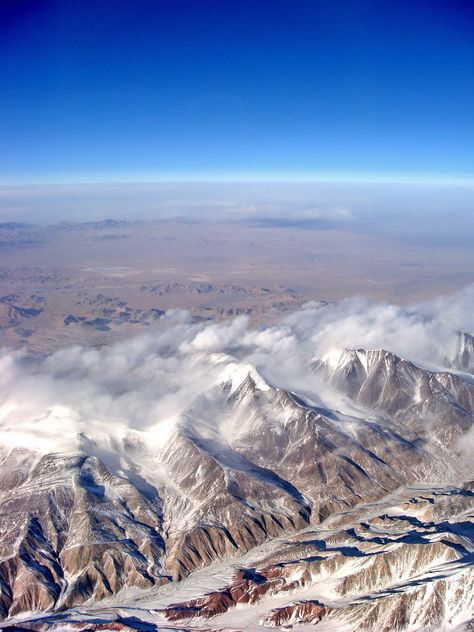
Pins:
x,y
219,89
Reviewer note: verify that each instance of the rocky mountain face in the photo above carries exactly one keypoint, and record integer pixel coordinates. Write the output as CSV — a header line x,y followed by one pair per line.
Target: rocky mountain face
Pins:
x,y
315,510
401,566
70,530
407,393
404,562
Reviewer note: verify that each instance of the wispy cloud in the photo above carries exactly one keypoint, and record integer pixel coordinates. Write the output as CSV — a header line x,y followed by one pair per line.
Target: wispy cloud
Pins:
x,y
385,207
138,386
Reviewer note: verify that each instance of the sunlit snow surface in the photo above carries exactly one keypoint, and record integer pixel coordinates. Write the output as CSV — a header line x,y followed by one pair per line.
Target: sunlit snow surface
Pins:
x,y
231,399
455,576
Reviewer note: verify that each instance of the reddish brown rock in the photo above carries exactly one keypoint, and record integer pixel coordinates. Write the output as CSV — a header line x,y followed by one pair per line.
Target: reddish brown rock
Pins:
x,y
299,612
208,606
248,587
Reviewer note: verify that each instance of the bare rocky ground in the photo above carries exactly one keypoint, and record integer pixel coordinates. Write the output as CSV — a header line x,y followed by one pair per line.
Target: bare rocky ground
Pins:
x,y
95,282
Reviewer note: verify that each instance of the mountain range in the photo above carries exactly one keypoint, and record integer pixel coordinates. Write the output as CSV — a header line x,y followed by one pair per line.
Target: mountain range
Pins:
x,y
237,504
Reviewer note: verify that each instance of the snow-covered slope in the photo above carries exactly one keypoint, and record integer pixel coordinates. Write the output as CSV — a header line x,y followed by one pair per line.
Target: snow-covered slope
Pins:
x,y
404,562
132,469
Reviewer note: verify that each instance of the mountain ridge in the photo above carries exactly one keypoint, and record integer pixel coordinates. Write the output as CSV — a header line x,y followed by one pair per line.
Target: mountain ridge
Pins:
x,y
243,463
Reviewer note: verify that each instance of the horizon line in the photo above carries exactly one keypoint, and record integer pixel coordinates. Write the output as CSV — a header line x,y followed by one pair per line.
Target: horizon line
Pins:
x,y
238,178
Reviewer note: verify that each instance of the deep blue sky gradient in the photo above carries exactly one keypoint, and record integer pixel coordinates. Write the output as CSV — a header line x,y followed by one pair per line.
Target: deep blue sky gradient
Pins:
x,y
157,89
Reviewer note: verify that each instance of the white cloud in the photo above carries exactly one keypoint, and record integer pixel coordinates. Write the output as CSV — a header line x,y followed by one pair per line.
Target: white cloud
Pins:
x,y
140,385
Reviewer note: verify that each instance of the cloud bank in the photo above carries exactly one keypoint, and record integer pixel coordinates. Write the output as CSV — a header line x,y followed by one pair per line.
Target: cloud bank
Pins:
x,y
413,210
143,384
